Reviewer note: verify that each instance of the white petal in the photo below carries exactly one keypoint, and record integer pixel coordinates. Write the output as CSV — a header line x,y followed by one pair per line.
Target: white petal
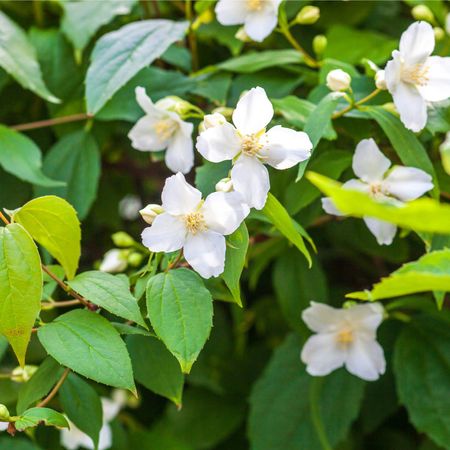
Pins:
x,y
322,354
259,24
144,137
113,261
110,409
369,163
383,231
73,438
147,105
329,207
180,151
219,143
205,252
322,318
4,426
365,358
179,197
366,317
407,183
286,147
166,234
411,106
417,42
393,71
356,185
251,179
231,12
253,111
224,211
437,87
105,438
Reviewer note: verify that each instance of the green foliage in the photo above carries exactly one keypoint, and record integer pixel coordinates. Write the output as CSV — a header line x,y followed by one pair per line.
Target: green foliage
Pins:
x,y
34,416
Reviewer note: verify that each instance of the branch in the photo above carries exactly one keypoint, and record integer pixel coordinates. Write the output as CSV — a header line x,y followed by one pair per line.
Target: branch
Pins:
x,y
55,390
51,122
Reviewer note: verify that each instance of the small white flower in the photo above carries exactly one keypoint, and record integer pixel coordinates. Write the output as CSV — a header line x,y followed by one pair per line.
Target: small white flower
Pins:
x,y
163,129
195,225
210,121
150,212
413,77
129,207
344,337
338,80
249,146
401,184
380,80
224,185
258,16
115,260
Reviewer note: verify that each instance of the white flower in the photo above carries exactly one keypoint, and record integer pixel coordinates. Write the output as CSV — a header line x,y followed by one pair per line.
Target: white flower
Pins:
x,y
115,260
401,184
195,225
413,77
258,16
129,207
162,129
74,438
344,337
249,146
338,80
150,212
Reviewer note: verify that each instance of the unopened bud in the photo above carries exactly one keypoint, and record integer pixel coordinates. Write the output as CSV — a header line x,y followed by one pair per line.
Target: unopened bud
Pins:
x,y
4,413
380,80
224,185
150,212
242,35
22,375
135,259
390,107
122,239
439,33
114,261
338,80
447,23
308,15
174,104
225,111
319,44
422,12
444,148
211,121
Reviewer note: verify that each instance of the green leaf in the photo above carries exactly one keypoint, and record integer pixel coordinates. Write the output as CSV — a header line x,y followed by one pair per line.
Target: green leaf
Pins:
x,y
291,410
21,157
280,218
75,160
424,214
208,174
155,367
408,148
121,54
421,365
180,311
318,122
109,292
53,223
431,272
254,62
89,345
34,416
18,58
20,287
39,384
82,405
83,18
237,245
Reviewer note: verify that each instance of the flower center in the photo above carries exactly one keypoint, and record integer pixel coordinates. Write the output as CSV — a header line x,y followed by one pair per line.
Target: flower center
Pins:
x,y
165,128
251,145
255,5
345,336
195,222
417,74
375,189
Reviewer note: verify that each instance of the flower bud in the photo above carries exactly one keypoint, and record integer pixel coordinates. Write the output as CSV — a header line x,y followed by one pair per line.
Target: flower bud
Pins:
x,y
22,375
4,413
150,212
308,15
439,33
205,17
122,239
338,80
444,148
447,23
114,261
422,12
380,80
390,107
129,207
174,104
224,185
319,44
135,259
211,120
225,111
242,35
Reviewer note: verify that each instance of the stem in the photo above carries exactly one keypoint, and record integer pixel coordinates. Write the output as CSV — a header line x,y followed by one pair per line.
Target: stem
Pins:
x,y
146,8
38,12
356,104
191,36
55,389
175,263
314,392
4,219
51,122
309,60
60,304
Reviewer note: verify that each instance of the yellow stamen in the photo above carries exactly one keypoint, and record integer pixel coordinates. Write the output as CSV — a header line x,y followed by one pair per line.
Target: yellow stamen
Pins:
x,y
345,336
165,128
416,75
251,145
255,5
195,222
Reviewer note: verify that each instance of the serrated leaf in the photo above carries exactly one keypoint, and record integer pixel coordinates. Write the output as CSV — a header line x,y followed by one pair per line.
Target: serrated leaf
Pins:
x,y
180,311
237,245
20,287
18,58
53,223
21,157
155,367
121,54
280,218
89,345
108,292
34,416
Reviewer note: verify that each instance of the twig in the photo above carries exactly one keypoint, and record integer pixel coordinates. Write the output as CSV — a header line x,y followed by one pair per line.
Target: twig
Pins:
x,y
356,104
191,35
309,60
51,122
55,390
